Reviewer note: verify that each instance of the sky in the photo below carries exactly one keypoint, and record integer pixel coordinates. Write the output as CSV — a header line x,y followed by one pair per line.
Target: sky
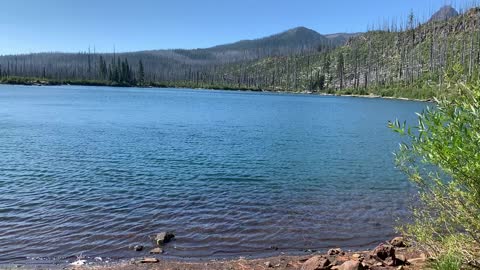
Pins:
x,y
28,26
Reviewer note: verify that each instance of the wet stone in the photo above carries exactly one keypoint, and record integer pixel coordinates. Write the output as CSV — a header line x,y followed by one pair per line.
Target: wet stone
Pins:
x,y
149,260
163,238
156,251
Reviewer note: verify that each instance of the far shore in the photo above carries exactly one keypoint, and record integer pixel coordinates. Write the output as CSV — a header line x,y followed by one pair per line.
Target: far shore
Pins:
x,y
161,86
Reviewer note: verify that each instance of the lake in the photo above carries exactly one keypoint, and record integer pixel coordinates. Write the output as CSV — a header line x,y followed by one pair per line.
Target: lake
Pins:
x,y
93,170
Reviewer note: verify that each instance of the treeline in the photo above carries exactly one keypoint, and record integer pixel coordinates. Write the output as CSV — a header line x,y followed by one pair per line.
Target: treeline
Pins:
x,y
201,66
408,59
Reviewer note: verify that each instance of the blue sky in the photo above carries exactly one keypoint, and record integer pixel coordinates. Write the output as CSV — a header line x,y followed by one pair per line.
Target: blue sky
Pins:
x,y
74,25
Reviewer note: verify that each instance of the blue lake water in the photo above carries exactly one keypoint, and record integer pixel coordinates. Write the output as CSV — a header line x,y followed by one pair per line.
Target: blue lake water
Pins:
x,y
93,170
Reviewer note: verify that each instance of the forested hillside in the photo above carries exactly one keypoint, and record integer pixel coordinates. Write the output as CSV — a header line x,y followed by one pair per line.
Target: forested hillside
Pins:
x,y
408,59
162,65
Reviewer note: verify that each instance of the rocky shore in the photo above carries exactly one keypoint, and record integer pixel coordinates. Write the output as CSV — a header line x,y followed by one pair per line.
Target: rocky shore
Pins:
x,y
394,254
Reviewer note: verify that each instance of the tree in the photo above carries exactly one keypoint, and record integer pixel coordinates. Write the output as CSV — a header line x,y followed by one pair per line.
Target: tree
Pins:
x,y
442,159
141,72
102,67
340,68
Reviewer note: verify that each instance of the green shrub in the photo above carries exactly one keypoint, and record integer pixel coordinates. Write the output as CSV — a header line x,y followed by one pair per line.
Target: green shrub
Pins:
x,y
442,158
446,262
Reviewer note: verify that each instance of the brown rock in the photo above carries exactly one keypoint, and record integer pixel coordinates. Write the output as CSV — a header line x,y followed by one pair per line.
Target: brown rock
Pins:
x,y
390,261
156,251
341,259
370,262
400,260
384,251
335,251
397,242
357,257
316,263
351,265
149,260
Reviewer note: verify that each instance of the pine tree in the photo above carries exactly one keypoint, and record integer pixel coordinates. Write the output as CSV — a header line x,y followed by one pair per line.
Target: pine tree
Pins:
x,y
340,68
141,72
102,67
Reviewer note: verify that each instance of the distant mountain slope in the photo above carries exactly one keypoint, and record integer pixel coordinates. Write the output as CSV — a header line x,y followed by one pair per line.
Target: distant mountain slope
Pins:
x,y
390,62
170,64
444,14
341,38
296,38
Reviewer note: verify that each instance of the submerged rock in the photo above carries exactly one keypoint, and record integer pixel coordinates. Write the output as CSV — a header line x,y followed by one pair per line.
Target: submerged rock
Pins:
x,y
163,238
138,247
79,262
156,251
316,263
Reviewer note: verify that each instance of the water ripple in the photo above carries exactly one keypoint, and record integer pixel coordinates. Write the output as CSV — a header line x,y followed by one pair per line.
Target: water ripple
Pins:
x,y
93,171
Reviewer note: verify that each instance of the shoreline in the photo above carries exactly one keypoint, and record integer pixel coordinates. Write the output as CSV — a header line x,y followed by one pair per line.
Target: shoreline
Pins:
x,y
394,254
160,86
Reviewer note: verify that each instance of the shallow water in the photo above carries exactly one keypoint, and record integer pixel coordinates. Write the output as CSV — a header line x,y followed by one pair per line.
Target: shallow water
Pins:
x,y
93,170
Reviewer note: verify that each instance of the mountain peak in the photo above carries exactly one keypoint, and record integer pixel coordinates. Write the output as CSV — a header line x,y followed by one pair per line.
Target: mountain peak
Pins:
x,y
444,13
295,38
301,29
300,32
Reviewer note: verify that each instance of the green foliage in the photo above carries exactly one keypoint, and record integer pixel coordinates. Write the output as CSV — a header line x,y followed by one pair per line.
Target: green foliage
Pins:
x,y
442,158
447,262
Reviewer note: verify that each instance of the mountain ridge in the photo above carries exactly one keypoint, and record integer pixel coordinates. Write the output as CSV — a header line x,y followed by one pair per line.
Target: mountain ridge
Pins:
x,y
444,13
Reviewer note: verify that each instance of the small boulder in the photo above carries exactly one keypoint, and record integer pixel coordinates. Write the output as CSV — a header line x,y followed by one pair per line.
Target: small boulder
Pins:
x,y
389,261
316,263
163,238
401,260
352,265
384,251
397,242
335,251
268,264
156,251
138,247
357,256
